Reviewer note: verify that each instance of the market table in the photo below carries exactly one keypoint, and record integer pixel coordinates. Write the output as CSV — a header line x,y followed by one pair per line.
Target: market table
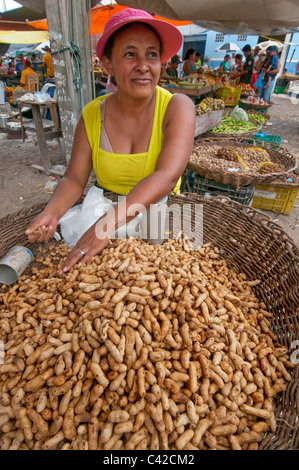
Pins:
x,y
195,93
42,134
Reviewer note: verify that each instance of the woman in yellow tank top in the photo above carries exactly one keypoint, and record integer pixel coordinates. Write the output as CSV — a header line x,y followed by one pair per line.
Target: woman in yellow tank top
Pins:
x,y
140,147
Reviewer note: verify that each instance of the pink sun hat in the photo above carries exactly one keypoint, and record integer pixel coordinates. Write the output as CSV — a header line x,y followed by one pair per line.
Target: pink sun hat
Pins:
x,y
170,37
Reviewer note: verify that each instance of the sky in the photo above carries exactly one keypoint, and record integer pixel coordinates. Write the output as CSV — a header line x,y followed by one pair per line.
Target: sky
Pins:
x,y
6,5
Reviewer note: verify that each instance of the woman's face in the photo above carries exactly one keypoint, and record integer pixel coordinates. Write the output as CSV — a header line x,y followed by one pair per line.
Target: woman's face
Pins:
x,y
135,61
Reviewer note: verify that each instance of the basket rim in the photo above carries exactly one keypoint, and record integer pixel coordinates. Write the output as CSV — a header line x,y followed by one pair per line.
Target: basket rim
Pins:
x,y
269,233
255,105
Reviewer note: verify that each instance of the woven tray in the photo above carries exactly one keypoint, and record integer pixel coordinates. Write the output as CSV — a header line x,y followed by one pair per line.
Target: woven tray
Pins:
x,y
264,115
278,155
252,244
256,106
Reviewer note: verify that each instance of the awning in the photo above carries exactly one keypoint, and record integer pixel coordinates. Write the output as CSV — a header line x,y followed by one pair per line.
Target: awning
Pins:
x,y
23,37
254,17
99,17
39,5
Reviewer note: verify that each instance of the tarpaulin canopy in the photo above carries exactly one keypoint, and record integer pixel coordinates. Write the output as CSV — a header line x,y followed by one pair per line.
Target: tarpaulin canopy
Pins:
x,y
39,5
99,17
9,25
255,17
23,37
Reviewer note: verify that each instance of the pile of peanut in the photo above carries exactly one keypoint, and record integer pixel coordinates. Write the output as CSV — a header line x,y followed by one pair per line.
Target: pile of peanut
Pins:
x,y
251,156
144,347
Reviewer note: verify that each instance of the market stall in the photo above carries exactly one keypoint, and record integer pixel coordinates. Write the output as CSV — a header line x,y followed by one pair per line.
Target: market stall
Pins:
x,y
178,346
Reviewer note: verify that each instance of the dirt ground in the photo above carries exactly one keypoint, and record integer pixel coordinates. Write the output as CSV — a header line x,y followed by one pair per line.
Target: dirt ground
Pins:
x,y
22,186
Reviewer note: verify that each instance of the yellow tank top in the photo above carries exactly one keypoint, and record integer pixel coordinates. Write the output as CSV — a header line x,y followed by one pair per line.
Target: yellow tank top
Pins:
x,y
121,172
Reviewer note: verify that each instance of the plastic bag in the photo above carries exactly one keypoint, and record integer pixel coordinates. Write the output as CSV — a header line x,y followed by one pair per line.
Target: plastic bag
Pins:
x,y
77,220
41,97
239,114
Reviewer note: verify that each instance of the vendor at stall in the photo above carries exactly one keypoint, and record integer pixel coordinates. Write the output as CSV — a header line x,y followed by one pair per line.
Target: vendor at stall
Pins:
x,y
138,139
171,70
238,68
245,75
24,77
189,65
225,64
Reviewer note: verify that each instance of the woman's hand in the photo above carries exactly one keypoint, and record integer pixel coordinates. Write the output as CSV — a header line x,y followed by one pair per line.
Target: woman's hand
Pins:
x,y
42,228
92,242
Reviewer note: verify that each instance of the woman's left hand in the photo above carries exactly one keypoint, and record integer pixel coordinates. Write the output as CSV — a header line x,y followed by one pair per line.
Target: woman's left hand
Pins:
x,y
92,242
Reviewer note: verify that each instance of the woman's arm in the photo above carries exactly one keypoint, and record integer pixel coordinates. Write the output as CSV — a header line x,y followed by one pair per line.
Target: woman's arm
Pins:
x,y
69,189
187,67
178,129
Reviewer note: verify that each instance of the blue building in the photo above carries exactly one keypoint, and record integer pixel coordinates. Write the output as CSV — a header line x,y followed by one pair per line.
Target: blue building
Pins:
x,y
206,41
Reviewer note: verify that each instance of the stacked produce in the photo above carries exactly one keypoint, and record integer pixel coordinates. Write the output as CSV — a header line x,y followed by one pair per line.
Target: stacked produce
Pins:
x,y
257,117
144,347
229,125
251,159
209,104
254,100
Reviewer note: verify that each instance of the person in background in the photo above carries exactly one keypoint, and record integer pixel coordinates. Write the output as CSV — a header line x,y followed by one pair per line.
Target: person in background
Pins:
x,y
189,66
34,62
273,61
224,66
24,77
171,70
256,53
7,60
10,69
198,59
138,139
246,74
256,57
266,91
232,62
238,68
48,62
94,57
297,68
20,65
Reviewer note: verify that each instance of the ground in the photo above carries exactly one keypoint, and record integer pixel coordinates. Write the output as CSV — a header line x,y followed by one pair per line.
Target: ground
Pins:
x,y
22,186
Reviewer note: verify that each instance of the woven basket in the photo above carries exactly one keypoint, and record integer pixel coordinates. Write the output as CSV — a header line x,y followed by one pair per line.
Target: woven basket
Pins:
x,y
252,244
278,155
255,106
264,115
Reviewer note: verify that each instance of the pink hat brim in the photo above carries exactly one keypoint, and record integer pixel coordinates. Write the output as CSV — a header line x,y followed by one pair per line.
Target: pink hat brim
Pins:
x,y
171,38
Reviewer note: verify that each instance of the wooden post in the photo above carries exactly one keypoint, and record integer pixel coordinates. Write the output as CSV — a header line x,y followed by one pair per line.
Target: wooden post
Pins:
x,y
67,25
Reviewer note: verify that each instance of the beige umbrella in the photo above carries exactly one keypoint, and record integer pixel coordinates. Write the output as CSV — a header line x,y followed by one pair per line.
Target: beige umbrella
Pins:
x,y
264,45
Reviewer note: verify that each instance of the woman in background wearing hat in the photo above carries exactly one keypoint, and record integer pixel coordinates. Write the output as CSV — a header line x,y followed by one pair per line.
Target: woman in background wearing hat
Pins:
x,y
138,139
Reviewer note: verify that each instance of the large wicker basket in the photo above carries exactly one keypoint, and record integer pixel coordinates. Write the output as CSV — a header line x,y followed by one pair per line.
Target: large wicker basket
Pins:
x,y
252,244
278,155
